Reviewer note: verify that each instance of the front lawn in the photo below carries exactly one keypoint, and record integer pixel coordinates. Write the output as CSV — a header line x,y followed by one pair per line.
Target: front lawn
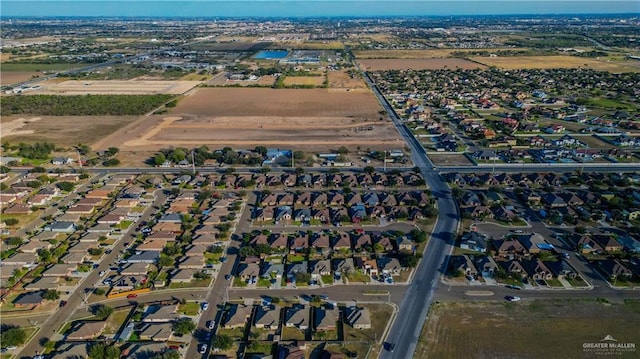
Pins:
x,y
358,277
189,308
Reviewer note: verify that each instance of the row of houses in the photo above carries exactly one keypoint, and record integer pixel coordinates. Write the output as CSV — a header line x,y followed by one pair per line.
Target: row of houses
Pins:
x,y
338,198
302,317
260,180
522,269
275,268
338,240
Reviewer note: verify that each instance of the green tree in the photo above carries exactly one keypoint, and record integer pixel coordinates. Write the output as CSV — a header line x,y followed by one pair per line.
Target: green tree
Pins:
x,y
13,241
343,150
261,150
103,351
183,326
222,342
44,255
369,169
169,354
65,186
4,169
12,336
111,162
165,261
11,221
101,311
51,294
159,159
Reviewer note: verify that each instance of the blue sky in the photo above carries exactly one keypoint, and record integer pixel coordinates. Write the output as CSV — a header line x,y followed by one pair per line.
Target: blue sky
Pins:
x,y
308,8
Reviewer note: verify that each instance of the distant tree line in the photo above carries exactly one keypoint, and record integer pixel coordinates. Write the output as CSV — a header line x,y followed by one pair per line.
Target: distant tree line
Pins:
x,y
87,105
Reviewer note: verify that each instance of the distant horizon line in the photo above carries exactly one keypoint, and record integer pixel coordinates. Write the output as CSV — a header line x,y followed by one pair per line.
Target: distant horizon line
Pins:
x,y
312,9
359,17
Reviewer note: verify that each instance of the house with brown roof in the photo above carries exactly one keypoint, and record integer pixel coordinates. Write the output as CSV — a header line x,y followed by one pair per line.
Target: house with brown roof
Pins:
x,y
87,330
325,318
614,269
608,242
368,265
536,269
236,316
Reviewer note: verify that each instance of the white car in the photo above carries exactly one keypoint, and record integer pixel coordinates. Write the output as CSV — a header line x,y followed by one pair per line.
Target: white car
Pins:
x,y
102,273
203,348
512,298
205,305
211,324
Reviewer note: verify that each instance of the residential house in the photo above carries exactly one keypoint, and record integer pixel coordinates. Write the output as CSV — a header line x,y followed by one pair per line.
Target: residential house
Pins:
x,y
561,269
368,266
248,270
297,316
325,318
267,317
614,269
157,332
236,316
474,241
319,268
536,269
86,330
358,318
389,265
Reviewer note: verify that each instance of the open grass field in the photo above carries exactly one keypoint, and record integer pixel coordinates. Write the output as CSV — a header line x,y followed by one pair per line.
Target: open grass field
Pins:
x,y
417,54
526,329
60,130
304,80
450,160
309,45
114,87
248,117
29,67
548,62
418,64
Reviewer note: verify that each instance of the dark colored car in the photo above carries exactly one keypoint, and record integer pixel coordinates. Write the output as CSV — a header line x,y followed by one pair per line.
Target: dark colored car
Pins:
x,y
63,303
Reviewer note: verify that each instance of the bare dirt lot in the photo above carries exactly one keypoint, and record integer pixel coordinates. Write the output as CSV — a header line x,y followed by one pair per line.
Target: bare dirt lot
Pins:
x,y
527,329
277,102
417,54
304,80
60,130
417,64
548,62
341,81
8,78
244,118
115,87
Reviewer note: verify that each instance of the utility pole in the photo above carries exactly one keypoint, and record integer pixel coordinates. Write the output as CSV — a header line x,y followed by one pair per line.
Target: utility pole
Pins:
x,y
384,162
193,164
292,159
79,160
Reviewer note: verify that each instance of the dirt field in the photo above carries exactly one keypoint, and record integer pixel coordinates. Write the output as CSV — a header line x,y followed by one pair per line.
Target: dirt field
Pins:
x,y
527,329
221,80
277,102
340,80
62,131
244,118
304,80
450,160
416,54
418,64
548,62
115,87
8,78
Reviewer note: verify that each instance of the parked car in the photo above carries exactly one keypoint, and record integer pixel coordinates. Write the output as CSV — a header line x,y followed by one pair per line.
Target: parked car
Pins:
x,y
205,305
203,348
211,324
102,273
227,276
133,295
63,303
565,255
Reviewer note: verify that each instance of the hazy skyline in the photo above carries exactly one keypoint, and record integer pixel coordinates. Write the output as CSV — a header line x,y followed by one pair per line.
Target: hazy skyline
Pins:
x,y
308,8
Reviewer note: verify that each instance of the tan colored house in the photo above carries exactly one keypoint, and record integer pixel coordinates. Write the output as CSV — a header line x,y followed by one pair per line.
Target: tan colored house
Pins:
x,y
87,330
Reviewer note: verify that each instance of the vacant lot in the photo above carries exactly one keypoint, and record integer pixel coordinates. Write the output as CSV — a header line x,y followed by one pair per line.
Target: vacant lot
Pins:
x,y
304,80
8,78
527,329
341,81
418,64
450,160
61,130
280,102
115,87
548,62
416,54
248,117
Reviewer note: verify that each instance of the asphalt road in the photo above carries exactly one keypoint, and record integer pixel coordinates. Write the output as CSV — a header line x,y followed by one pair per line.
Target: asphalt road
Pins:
x,y
412,315
76,299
